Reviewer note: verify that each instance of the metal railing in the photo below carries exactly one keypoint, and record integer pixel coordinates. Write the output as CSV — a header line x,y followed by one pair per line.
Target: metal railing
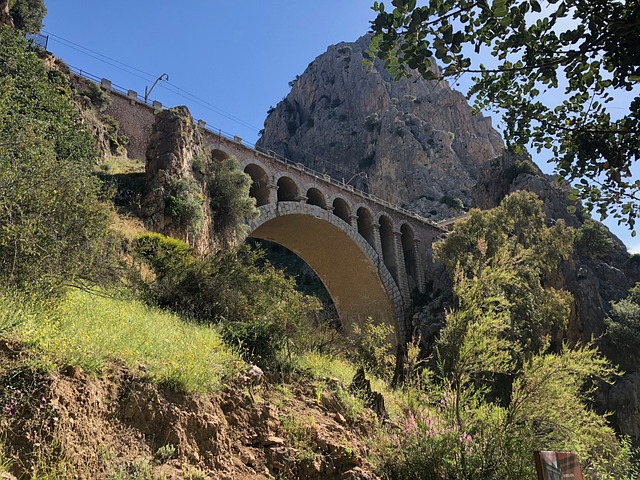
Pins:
x,y
132,95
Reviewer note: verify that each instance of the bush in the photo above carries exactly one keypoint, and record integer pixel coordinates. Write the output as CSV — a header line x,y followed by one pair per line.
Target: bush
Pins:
x,y
259,342
371,348
117,140
453,202
235,285
623,322
229,195
184,204
593,239
521,167
99,98
371,122
54,227
27,14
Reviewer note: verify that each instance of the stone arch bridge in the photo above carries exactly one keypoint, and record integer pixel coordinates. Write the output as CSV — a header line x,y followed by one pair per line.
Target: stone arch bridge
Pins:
x,y
370,254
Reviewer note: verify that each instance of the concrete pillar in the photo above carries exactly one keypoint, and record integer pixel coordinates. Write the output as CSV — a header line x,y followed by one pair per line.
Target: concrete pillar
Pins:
x,y
353,221
329,209
273,193
302,198
377,242
420,271
398,252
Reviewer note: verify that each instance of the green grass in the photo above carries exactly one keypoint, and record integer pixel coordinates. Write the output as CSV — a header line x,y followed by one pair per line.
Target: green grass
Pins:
x,y
90,331
322,366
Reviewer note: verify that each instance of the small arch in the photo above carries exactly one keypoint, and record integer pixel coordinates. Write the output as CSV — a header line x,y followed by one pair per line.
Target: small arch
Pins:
x,y
259,184
410,259
315,197
387,239
217,154
342,210
365,225
287,190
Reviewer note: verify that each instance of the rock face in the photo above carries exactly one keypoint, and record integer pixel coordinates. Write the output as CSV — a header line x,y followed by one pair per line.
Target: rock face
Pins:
x,y
5,16
173,145
416,140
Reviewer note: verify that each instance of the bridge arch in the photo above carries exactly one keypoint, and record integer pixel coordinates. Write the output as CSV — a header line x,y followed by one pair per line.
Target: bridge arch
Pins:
x,y
288,190
408,241
219,154
341,209
366,225
316,197
353,273
259,184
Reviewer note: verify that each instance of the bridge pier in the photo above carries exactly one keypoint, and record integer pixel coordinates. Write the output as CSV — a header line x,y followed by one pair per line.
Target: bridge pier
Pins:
x,y
401,271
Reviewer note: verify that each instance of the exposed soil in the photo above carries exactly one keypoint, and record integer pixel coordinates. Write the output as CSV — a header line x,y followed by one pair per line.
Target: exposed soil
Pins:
x,y
120,426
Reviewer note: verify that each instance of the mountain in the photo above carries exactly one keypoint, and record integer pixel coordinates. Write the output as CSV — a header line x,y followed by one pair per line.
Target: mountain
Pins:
x,y
417,141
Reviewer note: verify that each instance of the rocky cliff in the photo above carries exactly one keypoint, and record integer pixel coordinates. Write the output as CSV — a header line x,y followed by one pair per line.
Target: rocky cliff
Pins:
x,y
174,198
416,140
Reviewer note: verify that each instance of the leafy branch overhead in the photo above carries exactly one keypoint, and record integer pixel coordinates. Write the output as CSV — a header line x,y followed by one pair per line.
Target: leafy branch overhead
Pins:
x,y
556,71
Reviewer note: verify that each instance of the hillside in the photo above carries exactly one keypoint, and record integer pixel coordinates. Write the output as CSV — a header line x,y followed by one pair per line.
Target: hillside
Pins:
x,y
137,340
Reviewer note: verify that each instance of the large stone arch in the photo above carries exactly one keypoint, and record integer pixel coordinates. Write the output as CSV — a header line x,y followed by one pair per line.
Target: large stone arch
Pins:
x,y
351,270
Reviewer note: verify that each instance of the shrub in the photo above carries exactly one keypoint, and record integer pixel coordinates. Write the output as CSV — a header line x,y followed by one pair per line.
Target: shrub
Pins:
x,y
371,348
521,167
184,204
28,14
99,98
234,285
371,122
117,140
453,202
259,342
229,195
54,227
623,322
593,239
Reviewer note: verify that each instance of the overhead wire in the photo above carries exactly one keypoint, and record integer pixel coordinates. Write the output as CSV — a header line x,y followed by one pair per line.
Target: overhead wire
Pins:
x,y
166,85
176,90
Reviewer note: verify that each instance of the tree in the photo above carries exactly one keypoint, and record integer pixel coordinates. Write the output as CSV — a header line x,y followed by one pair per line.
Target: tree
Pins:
x,y
53,227
581,53
499,259
500,391
27,14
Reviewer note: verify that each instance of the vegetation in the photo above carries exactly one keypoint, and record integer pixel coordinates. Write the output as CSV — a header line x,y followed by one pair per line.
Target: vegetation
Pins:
x,y
99,98
260,310
593,240
185,203
90,331
586,53
27,14
498,386
228,188
623,323
498,391
54,227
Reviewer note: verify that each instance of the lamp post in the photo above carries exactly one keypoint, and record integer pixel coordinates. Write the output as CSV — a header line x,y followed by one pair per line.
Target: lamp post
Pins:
x,y
164,76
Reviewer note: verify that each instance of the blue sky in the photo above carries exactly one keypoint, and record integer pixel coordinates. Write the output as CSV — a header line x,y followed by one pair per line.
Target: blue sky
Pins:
x,y
228,61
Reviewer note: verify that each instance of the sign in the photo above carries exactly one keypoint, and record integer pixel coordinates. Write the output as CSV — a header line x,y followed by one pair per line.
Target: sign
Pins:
x,y
558,466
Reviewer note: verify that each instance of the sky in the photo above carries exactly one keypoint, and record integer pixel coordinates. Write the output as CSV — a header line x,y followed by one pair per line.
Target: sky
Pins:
x,y
228,61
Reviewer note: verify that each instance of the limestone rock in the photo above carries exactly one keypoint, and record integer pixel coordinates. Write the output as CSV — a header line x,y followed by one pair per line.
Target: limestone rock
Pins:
x,y
416,140
5,15
173,145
